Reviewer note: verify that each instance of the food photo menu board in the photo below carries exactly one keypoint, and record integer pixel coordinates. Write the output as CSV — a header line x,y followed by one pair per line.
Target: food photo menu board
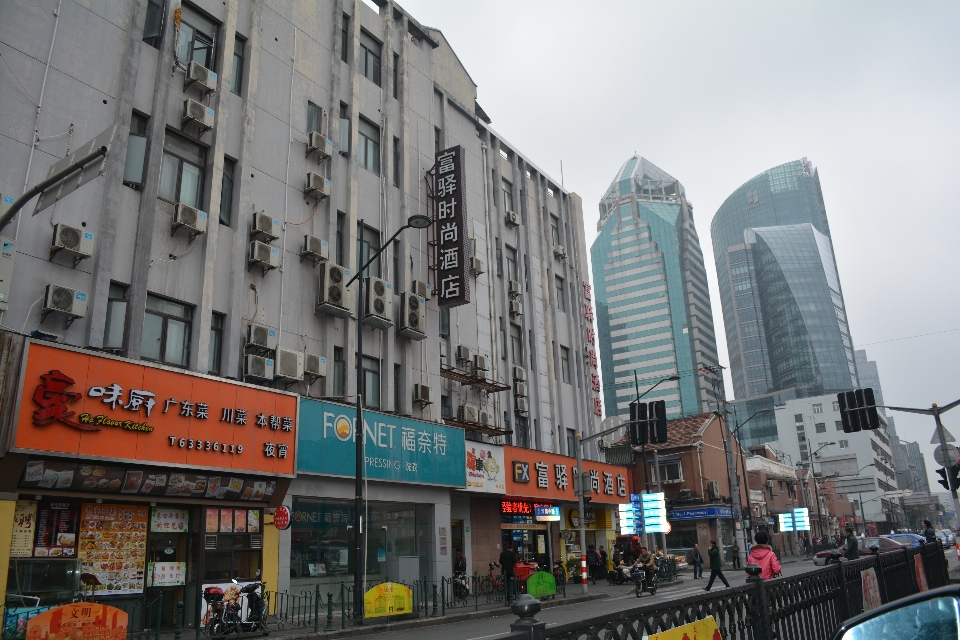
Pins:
x,y
56,531
232,520
113,546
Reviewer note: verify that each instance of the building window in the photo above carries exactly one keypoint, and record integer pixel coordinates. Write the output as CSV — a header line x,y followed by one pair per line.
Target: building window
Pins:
x,y
339,373
341,223
555,229
561,294
533,355
216,343
526,273
565,364
226,191
836,405
116,320
821,427
571,442
818,408
397,388
236,81
839,425
314,117
507,190
344,130
446,407
368,146
396,76
368,242
153,25
197,37
670,471
166,332
798,418
136,152
512,273
444,322
371,382
503,341
516,345
181,171
499,260
344,38
370,51
844,444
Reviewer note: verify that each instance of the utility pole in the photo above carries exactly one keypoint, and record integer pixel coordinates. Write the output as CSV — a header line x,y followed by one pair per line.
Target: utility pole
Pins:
x,y
656,473
734,486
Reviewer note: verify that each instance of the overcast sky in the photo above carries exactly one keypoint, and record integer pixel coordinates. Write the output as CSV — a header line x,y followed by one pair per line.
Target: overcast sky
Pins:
x,y
717,92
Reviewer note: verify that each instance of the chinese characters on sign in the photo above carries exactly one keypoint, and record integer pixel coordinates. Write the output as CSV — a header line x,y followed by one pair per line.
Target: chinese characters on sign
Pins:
x,y
169,520
450,207
113,546
166,574
551,475
591,353
24,524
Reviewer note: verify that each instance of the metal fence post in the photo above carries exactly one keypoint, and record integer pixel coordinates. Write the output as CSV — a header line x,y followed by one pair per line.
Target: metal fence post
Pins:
x,y
435,612
526,607
329,626
763,621
178,629
343,608
159,615
316,608
844,601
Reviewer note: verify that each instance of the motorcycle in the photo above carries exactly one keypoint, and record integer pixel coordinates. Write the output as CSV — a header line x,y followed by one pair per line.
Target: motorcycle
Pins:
x,y
224,617
256,619
642,582
461,586
619,575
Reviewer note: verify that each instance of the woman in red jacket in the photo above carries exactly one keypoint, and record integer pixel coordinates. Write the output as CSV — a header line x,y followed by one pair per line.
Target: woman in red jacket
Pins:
x,y
762,555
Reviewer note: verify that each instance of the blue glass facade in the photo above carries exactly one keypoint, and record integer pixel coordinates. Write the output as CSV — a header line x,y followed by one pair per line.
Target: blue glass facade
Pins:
x,y
653,307
783,308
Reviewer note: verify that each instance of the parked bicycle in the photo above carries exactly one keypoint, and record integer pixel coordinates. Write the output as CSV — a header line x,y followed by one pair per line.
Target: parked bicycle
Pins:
x,y
226,615
492,582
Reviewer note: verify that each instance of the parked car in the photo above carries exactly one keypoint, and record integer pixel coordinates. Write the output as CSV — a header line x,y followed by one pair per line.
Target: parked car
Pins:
x,y
946,537
868,546
907,539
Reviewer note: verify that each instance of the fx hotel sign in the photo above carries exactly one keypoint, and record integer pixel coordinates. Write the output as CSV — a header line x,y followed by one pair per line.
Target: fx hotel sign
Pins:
x,y
450,208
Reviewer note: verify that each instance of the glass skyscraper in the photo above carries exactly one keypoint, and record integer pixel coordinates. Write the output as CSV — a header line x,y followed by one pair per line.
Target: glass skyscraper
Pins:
x,y
783,310
653,306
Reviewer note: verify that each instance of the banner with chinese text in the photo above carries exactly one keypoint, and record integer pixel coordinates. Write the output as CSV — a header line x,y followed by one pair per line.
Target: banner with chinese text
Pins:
x,y
24,525
450,207
547,475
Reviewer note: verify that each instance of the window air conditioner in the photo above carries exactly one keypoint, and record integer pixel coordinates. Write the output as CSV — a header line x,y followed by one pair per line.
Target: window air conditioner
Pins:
x,y
264,256
197,74
512,219
65,301
422,289
486,419
314,249
379,303
516,309
317,186
262,337
332,296
319,144
194,220
468,413
197,113
75,242
289,365
463,353
258,367
513,289
314,366
264,228
476,264
522,405
481,363
520,389
421,394
519,374
412,317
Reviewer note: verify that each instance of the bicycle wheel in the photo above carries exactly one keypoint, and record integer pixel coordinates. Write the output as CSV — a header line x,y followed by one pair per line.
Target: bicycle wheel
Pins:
x,y
486,586
638,588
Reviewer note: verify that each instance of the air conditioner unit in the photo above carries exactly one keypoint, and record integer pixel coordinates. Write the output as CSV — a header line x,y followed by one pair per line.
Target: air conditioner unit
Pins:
x,y
289,365
378,307
332,296
263,255
713,490
463,353
520,389
560,251
421,394
468,413
317,186
686,494
258,367
516,309
198,114
319,144
75,242
194,220
262,337
481,362
422,289
513,289
64,300
480,374
476,264
522,405
264,227
486,419
412,317
443,349
770,484
314,366
314,249
199,75
512,219
519,374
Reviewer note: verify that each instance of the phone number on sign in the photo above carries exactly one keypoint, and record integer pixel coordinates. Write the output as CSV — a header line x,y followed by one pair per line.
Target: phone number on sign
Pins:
x,y
205,445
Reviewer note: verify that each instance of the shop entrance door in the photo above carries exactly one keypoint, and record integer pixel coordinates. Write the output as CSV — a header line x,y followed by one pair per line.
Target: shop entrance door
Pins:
x,y
456,541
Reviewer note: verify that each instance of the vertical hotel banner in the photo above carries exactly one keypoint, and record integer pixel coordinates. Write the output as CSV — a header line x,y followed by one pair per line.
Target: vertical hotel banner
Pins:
x,y
77,404
450,209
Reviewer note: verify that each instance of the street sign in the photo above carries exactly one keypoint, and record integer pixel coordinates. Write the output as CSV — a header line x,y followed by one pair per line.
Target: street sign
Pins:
x,y
654,512
951,457
80,177
947,436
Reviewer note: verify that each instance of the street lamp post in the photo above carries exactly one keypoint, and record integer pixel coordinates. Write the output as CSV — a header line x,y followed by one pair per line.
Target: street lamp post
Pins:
x,y
743,465
416,222
860,496
735,483
816,489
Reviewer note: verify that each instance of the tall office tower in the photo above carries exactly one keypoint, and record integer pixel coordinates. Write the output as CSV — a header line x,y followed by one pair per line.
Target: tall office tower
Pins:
x,y
783,308
653,307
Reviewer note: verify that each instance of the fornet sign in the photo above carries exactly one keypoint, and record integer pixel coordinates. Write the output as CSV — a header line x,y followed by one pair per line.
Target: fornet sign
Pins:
x,y
450,211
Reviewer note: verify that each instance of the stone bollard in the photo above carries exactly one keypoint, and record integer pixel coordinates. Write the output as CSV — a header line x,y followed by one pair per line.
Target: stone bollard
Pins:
x,y
526,607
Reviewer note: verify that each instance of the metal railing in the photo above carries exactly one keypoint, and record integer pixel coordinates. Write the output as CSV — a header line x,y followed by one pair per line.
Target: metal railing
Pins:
x,y
811,606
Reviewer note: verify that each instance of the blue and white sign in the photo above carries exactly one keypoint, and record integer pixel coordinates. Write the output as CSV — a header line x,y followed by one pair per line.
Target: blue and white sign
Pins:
x,y
544,513
631,520
699,513
396,449
801,519
786,522
654,508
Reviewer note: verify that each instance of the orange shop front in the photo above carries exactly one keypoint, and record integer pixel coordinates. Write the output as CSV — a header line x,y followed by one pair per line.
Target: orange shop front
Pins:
x,y
151,479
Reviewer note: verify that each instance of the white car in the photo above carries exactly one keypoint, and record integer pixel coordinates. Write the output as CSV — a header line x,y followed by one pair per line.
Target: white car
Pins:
x,y
946,537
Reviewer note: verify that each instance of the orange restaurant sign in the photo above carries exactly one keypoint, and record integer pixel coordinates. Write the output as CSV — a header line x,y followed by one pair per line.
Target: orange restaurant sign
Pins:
x,y
90,406
546,475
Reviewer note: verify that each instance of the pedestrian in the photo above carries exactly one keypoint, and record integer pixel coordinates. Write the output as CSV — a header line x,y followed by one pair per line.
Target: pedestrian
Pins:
x,y
696,559
603,563
852,546
617,556
928,532
734,554
508,560
762,555
716,564
593,563
459,562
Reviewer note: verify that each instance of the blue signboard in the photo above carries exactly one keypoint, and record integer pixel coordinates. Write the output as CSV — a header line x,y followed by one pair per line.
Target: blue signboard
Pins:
x,y
397,449
698,513
654,513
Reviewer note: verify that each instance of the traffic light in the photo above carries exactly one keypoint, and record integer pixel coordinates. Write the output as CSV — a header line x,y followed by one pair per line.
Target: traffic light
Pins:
x,y
943,478
638,424
858,410
658,417
949,477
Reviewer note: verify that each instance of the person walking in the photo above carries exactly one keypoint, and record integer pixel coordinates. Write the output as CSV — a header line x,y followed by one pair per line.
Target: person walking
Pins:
x,y
716,564
508,560
762,555
929,533
695,558
851,546
593,563
734,554
603,562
